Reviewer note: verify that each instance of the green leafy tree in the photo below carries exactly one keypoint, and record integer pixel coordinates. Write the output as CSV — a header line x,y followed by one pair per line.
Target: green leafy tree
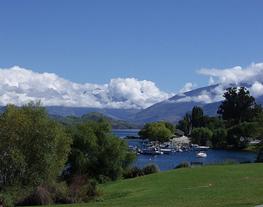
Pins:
x,y
33,148
238,106
157,131
96,152
213,123
219,138
201,136
185,124
239,135
197,117
170,126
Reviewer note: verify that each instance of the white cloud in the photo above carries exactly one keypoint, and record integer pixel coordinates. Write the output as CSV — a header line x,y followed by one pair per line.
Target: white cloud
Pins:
x,y
256,89
251,77
211,81
187,87
203,97
236,75
19,86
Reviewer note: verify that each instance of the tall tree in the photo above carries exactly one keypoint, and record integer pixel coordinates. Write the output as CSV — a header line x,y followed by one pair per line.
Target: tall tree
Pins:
x,y
33,148
185,124
197,117
238,105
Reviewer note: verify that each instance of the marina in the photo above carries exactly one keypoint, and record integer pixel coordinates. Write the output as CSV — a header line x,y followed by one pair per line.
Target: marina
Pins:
x,y
168,158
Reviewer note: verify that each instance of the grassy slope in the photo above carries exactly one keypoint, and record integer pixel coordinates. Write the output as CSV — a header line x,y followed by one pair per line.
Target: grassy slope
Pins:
x,y
225,185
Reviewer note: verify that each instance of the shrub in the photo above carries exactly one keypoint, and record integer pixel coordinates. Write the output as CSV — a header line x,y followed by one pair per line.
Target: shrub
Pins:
x,y
150,169
82,189
39,196
60,193
136,172
133,172
183,165
103,179
6,199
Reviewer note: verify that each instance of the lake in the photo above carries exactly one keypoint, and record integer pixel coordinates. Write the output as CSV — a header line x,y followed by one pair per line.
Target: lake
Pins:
x,y
167,162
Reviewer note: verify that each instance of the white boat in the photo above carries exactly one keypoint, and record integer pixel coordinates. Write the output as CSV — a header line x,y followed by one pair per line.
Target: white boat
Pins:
x,y
151,151
201,155
202,147
179,150
166,150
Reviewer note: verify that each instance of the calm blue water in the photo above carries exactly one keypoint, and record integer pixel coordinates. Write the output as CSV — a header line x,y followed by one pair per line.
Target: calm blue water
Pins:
x,y
167,162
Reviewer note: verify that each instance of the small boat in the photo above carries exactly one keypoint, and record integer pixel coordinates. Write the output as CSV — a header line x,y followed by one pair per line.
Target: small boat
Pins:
x,y
202,147
151,151
166,150
201,155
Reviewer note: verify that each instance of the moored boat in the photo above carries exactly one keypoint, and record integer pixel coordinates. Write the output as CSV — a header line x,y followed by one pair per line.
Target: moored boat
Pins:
x,y
201,155
151,151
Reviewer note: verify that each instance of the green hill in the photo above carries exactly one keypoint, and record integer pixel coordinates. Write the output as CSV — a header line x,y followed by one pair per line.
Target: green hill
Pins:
x,y
211,186
95,116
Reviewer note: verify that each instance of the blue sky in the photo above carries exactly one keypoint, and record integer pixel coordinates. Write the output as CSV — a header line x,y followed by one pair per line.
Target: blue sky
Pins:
x,y
162,41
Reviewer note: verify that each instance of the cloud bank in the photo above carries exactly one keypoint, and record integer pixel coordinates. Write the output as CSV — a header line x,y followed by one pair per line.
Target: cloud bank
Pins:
x,y
19,86
236,75
220,79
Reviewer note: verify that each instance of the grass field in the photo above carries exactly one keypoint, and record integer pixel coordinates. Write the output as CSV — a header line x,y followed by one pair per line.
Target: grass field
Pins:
x,y
211,186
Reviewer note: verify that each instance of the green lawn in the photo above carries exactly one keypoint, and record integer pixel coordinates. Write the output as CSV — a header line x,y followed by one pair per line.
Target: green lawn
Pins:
x,y
211,186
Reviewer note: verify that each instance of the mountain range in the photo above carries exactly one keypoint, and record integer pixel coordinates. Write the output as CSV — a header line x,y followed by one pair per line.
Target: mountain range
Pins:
x,y
172,109
125,99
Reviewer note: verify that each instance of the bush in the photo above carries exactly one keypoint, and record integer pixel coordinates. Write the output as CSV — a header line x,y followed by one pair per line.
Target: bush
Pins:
x,y
136,172
82,189
133,172
6,199
183,165
103,179
60,193
150,169
40,196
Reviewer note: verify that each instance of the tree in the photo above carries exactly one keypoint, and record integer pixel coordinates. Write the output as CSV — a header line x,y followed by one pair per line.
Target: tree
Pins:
x,y
33,148
157,131
201,136
192,120
197,117
239,135
96,152
219,138
238,106
185,124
